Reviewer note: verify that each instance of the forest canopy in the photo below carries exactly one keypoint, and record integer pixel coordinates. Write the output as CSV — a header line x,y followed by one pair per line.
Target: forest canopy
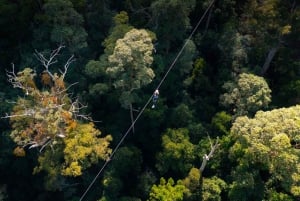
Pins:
x,y
77,85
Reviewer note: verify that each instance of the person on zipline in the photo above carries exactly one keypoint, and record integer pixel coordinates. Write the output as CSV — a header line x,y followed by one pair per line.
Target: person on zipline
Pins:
x,y
155,98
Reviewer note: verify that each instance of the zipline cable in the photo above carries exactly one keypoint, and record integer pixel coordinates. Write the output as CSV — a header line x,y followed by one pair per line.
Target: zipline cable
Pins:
x,y
147,103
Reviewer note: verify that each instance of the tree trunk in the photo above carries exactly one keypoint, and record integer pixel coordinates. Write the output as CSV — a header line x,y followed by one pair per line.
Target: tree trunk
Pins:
x,y
204,163
269,59
131,116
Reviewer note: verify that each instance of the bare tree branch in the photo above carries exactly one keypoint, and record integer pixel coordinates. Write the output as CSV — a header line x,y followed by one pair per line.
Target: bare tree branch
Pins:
x,y
12,78
66,66
206,157
46,110
52,59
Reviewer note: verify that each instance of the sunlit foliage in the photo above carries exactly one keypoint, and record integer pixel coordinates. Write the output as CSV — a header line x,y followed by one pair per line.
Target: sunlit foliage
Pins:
x,y
48,119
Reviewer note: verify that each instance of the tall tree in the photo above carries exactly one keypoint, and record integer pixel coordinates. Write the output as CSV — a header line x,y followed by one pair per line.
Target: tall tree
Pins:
x,y
178,152
266,149
96,69
268,23
248,94
48,119
130,65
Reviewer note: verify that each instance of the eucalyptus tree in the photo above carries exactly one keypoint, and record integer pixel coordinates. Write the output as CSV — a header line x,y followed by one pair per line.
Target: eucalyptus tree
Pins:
x,y
130,65
266,154
246,95
96,69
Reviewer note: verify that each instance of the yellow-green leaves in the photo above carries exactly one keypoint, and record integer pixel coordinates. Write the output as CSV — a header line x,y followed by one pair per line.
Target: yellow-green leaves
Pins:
x,y
47,119
167,191
286,29
178,152
268,142
83,147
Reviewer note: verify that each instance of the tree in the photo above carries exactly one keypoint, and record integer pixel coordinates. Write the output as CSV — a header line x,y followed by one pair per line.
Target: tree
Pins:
x,y
56,23
96,69
48,119
164,12
167,191
212,188
248,94
266,149
130,65
122,175
178,152
268,23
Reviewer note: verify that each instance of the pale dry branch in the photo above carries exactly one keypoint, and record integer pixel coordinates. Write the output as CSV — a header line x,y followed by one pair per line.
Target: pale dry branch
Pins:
x,y
45,144
47,62
206,158
66,66
12,78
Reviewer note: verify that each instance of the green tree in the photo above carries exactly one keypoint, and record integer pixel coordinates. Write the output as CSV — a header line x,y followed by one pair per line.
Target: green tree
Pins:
x,y
221,123
57,23
96,69
130,65
178,152
167,191
212,188
168,30
248,94
267,23
266,149
122,175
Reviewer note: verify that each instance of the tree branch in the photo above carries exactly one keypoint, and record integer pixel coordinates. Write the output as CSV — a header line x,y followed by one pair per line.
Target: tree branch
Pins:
x,y
48,62
206,157
12,78
66,66
269,59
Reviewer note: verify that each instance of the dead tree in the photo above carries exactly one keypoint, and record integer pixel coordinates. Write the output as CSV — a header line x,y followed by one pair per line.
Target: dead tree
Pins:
x,y
42,110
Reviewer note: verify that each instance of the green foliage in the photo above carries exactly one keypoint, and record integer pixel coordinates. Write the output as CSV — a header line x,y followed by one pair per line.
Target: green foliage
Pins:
x,y
60,23
248,94
146,180
201,89
267,143
47,119
130,64
124,169
275,196
121,27
164,13
246,186
187,57
83,147
181,116
221,123
192,183
212,188
42,130
167,191
178,152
